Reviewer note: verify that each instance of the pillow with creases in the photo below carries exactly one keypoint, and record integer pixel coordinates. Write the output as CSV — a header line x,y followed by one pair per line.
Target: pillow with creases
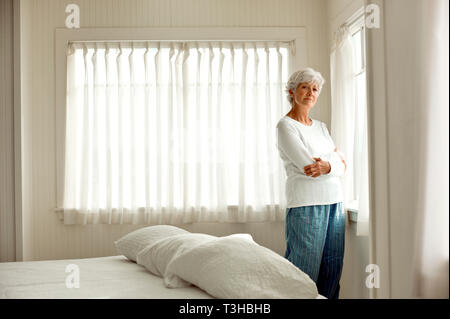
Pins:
x,y
156,257
233,268
132,243
173,281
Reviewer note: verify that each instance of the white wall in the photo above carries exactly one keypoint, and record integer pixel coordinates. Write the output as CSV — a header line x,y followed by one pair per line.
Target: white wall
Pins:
x,y
7,220
25,230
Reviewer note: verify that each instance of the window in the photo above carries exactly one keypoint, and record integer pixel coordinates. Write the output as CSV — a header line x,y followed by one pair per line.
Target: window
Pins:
x,y
360,197
349,115
360,105
173,132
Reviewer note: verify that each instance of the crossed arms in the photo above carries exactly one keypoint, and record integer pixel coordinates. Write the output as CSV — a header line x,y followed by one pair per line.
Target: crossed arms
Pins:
x,y
332,164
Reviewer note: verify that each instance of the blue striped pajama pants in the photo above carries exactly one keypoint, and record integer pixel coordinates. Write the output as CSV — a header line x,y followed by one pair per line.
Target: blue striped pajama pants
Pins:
x,y
315,237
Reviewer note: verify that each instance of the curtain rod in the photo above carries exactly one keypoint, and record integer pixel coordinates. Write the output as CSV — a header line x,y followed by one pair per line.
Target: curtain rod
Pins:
x,y
165,44
176,41
354,17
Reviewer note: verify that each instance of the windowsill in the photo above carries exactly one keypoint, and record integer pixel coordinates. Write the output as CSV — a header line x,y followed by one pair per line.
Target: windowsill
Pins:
x,y
233,209
352,211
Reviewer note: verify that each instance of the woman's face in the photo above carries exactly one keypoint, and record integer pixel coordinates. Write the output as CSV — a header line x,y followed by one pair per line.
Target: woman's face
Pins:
x,y
306,94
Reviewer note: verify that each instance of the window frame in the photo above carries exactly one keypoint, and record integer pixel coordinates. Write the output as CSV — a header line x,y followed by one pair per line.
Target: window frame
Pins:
x,y
359,26
63,36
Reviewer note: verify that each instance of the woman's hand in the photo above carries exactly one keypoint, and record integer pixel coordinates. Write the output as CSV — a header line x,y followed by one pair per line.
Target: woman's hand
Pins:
x,y
318,168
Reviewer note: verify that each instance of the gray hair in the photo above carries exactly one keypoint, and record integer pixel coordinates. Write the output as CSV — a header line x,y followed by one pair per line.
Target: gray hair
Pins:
x,y
306,75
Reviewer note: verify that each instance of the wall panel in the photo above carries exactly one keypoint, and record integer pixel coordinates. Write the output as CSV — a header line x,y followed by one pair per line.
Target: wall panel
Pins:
x,y
7,220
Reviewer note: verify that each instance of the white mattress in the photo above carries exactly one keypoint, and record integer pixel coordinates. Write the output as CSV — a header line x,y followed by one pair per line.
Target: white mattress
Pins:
x,y
104,277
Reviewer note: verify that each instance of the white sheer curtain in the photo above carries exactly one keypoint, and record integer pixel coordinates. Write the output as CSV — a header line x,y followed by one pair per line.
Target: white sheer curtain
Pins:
x,y
174,132
431,234
349,127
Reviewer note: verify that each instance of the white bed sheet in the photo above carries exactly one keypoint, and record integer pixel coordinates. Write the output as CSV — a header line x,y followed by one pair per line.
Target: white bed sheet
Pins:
x,y
103,277
100,278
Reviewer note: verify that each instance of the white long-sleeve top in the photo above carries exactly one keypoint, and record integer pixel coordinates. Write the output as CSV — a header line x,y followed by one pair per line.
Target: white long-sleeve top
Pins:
x,y
298,144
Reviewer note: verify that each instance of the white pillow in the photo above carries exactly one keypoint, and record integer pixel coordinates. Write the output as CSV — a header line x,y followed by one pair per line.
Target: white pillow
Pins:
x,y
230,267
132,243
156,257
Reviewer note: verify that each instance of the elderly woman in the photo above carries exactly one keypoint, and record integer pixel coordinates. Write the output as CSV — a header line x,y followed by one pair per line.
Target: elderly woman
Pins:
x,y
315,221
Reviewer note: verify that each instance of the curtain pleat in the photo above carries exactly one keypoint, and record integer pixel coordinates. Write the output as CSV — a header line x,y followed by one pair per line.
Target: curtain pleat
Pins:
x,y
106,215
172,132
343,103
85,129
95,141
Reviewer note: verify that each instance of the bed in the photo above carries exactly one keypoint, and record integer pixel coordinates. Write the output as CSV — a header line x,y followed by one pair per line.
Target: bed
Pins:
x,y
180,265
104,277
